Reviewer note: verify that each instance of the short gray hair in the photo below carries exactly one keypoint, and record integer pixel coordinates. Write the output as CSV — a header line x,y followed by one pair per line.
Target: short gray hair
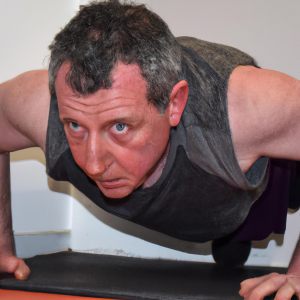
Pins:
x,y
104,33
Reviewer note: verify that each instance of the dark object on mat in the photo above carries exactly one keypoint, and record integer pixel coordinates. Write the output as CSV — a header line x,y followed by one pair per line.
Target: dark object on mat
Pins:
x,y
231,252
118,277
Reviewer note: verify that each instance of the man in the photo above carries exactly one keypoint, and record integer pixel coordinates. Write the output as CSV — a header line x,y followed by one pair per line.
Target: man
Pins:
x,y
139,122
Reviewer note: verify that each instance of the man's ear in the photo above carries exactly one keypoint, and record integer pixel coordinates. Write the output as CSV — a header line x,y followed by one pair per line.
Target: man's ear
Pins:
x,y
178,100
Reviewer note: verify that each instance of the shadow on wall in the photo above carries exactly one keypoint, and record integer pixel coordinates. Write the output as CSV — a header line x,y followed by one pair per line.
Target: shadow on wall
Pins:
x,y
35,153
123,225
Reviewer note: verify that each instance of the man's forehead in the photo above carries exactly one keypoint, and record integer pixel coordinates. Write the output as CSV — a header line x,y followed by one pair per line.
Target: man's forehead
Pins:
x,y
128,92
123,76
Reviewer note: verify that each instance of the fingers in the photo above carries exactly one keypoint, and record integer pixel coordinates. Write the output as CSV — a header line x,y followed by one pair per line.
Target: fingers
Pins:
x,y
22,271
285,292
268,285
14,265
250,284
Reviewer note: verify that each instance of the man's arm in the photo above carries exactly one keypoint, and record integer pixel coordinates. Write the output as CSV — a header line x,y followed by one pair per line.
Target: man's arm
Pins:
x,y
8,262
264,114
24,109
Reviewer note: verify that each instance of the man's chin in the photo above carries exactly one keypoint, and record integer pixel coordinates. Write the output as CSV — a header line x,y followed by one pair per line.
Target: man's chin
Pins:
x,y
119,192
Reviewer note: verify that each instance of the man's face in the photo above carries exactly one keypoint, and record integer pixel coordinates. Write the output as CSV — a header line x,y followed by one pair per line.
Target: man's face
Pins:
x,y
116,136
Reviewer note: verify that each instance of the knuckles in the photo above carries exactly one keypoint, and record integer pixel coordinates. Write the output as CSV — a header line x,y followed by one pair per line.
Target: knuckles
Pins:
x,y
14,265
8,264
255,288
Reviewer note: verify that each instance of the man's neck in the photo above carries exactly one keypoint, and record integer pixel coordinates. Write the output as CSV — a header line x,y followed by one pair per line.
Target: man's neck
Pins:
x,y
158,169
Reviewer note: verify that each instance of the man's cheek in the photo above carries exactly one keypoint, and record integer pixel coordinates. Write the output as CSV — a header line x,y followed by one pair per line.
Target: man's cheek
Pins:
x,y
133,162
144,163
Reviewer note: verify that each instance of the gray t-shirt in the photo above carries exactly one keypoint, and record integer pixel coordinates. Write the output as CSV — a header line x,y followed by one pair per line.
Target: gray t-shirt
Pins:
x,y
202,193
209,144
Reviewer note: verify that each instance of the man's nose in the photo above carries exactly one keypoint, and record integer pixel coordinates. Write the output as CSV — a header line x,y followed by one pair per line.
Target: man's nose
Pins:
x,y
97,156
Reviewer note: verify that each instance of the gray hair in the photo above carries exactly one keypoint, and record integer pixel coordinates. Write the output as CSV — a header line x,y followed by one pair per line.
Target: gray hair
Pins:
x,y
104,33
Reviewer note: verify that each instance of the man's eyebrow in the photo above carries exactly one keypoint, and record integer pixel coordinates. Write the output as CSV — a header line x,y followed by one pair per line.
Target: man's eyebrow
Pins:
x,y
128,119
67,119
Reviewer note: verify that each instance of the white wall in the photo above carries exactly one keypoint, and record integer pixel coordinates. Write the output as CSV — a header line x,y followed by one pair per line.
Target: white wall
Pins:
x,y
27,27
36,209
267,29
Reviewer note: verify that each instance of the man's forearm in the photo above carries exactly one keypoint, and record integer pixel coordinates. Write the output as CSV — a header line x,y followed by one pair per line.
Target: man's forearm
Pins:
x,y
7,245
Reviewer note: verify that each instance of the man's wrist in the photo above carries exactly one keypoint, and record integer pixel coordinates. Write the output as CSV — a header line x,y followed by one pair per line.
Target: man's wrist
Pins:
x,y
7,244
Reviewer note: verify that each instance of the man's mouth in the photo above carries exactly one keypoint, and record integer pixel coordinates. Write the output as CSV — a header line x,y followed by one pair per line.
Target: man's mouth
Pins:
x,y
111,184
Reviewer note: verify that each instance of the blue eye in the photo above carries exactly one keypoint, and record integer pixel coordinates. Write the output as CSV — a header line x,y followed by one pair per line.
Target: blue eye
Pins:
x,y
120,126
75,126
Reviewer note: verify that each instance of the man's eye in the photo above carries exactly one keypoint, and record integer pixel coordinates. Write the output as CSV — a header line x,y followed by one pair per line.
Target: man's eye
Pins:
x,y
120,127
74,126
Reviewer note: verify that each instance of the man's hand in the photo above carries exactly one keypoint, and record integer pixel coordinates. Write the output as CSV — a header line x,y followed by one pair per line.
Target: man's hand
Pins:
x,y
257,288
14,265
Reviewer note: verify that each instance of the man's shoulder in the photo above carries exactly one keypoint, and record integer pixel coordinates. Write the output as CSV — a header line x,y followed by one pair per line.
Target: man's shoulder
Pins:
x,y
24,109
208,48
264,113
222,58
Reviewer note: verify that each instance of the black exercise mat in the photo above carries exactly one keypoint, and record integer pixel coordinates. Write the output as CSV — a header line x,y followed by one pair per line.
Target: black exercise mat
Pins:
x,y
117,277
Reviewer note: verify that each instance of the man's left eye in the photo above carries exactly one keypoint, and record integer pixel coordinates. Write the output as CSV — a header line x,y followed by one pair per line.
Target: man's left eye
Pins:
x,y
120,127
